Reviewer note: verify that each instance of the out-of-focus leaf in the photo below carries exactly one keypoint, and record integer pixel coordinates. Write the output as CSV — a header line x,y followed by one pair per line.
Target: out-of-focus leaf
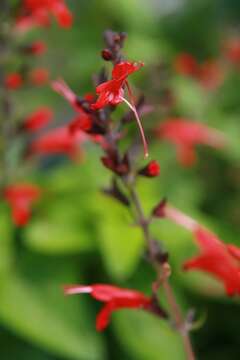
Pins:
x,y
6,234
65,222
52,237
39,312
147,337
191,99
120,242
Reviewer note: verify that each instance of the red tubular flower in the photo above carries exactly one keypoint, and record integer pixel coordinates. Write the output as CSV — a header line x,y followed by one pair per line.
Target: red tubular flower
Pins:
x,y
20,198
114,298
186,134
38,119
217,259
186,64
234,251
151,170
39,76
112,92
13,81
58,141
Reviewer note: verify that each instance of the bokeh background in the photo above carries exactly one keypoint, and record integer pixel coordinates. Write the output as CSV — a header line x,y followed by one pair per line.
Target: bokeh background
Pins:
x,y
78,235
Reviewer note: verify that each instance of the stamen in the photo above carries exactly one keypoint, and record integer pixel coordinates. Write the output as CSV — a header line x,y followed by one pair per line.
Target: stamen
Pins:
x,y
134,110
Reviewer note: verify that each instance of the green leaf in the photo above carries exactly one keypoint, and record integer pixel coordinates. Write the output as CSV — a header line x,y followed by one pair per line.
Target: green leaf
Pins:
x,y
56,237
6,234
147,337
120,242
37,310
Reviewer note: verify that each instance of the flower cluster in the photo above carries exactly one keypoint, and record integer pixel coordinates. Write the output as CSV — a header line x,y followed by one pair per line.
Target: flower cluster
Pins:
x,y
37,13
19,194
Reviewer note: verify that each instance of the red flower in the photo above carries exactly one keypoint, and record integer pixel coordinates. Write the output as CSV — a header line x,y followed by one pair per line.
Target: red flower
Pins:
x,y
217,259
38,119
37,48
111,92
58,141
13,81
57,8
186,64
234,251
232,50
25,23
114,298
210,75
151,170
20,199
185,135
39,76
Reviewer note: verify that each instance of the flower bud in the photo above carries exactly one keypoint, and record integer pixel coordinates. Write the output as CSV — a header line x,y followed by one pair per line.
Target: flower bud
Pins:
x,y
107,54
158,211
151,170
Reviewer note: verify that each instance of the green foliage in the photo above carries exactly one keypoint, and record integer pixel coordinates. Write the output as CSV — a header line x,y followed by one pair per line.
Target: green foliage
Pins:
x,y
79,235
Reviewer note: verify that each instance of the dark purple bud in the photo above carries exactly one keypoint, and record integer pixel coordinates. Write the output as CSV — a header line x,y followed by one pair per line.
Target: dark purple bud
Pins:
x,y
107,54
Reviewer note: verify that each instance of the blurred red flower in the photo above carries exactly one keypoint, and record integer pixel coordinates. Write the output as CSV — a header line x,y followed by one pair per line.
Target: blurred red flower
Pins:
x,y
37,48
186,134
36,9
210,74
114,298
64,90
39,76
217,259
38,119
232,50
13,81
58,141
186,64
20,198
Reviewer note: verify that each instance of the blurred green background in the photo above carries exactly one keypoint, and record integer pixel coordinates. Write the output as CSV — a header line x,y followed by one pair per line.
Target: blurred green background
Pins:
x,y
78,235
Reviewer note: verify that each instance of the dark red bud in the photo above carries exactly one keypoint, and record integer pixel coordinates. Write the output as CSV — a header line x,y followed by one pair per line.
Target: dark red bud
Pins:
x,y
158,211
151,170
107,55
